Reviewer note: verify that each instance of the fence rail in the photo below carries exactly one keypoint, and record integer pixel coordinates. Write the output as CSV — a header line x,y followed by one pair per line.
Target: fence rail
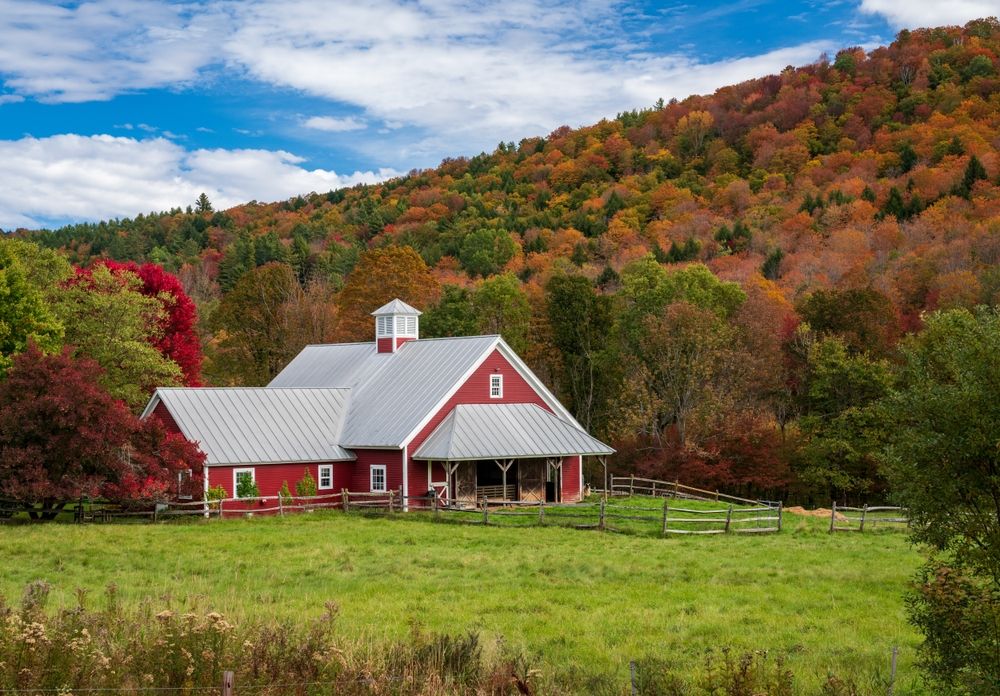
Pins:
x,y
631,485
604,514
867,516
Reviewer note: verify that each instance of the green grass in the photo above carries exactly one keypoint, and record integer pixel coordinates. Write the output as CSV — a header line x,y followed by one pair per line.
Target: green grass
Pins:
x,y
576,599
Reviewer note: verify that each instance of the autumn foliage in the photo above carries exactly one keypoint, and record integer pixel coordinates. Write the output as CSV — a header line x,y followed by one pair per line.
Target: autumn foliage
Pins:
x,y
63,438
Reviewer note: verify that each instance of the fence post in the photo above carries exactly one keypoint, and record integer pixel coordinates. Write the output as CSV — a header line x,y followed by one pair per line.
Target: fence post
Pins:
x,y
227,684
632,679
486,511
281,505
654,489
729,517
677,485
864,511
716,496
833,515
541,511
434,503
631,485
220,508
666,510
345,499
390,501
780,508
892,670
600,520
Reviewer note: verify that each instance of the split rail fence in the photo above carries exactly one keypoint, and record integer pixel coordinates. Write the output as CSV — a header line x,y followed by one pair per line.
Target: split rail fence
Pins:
x,y
645,516
857,519
633,485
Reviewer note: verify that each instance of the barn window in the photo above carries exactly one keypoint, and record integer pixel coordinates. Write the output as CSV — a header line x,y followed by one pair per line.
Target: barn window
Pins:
x,y
378,478
326,476
383,326
496,386
244,483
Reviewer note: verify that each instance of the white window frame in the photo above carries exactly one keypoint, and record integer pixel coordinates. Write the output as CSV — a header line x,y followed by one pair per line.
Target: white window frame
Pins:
x,y
236,478
319,477
496,381
371,479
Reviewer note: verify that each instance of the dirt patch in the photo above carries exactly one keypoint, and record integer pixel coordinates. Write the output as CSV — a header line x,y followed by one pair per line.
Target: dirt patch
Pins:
x,y
819,512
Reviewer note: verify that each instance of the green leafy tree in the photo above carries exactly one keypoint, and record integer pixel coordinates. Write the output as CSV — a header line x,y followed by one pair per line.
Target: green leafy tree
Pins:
x,y
25,316
453,315
840,429
486,251
502,308
203,205
942,456
246,486
252,328
863,317
108,318
581,324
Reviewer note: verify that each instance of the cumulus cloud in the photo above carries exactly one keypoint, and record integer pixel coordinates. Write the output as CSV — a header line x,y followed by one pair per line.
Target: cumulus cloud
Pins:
x,y
74,177
332,124
915,14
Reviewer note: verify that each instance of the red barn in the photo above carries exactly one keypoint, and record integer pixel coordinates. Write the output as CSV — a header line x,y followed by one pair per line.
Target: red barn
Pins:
x,y
457,417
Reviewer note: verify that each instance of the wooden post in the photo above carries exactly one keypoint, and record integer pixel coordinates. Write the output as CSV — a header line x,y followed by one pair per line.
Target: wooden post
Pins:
x,y
345,499
220,508
227,683
486,511
729,517
892,670
780,509
631,484
600,520
632,679
390,500
833,515
281,505
604,463
864,511
666,511
654,489
716,496
434,503
541,512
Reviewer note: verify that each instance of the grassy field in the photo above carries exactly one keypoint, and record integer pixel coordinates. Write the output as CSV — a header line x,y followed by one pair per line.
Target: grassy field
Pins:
x,y
576,599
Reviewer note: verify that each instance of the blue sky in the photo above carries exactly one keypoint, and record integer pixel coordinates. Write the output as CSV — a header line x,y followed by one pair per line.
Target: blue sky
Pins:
x,y
115,107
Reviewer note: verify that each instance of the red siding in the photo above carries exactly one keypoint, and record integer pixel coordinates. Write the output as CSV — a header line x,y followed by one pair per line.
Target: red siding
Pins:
x,y
475,390
403,339
571,479
168,421
269,477
360,479
384,345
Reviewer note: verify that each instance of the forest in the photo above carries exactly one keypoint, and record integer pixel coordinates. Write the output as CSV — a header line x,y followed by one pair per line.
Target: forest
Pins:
x,y
722,287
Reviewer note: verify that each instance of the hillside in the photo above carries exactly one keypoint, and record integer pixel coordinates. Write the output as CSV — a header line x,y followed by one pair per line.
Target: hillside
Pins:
x,y
852,195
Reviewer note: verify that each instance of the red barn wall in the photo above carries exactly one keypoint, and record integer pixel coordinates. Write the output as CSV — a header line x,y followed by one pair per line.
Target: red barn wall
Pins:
x,y
360,479
475,390
571,491
269,477
168,421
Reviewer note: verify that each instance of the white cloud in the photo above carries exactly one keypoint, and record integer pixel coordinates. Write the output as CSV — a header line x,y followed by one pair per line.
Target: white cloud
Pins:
x,y
331,124
74,177
916,14
10,99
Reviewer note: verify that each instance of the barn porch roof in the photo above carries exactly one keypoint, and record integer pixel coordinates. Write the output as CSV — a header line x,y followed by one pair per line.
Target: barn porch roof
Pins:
x,y
505,431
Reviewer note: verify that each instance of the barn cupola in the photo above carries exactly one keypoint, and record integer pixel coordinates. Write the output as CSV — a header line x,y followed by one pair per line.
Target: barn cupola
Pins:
x,y
395,324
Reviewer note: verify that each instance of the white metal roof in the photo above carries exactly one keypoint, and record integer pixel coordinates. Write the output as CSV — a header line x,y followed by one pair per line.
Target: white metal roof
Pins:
x,y
259,425
497,431
397,306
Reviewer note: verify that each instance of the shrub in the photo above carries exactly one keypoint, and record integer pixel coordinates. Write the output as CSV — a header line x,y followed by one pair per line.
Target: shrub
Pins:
x,y
306,486
285,494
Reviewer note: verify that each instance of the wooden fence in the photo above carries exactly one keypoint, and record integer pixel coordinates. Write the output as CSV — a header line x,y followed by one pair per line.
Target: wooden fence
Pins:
x,y
632,485
605,514
857,519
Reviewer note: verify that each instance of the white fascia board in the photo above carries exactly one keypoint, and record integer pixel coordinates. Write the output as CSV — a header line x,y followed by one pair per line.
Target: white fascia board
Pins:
x,y
451,392
151,405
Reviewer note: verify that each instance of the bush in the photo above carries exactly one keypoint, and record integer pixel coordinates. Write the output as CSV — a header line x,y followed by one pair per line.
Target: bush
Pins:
x,y
306,486
214,494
